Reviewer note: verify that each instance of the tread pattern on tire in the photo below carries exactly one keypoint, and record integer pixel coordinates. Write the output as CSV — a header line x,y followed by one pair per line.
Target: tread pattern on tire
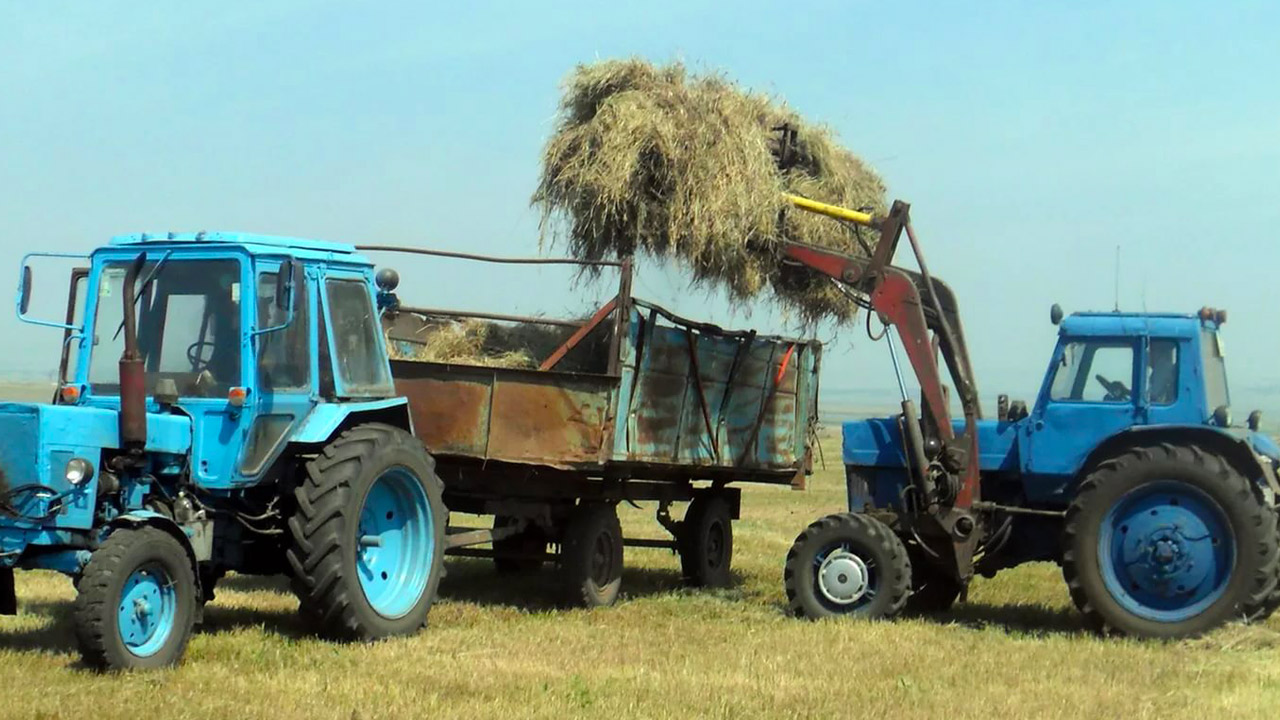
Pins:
x,y
1262,587
318,527
898,586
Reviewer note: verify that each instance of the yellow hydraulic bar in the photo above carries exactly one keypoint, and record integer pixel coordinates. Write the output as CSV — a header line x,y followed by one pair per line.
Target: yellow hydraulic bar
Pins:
x,y
834,211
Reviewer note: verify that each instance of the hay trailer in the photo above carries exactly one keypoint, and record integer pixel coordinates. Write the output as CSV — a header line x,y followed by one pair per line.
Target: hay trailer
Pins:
x,y
632,404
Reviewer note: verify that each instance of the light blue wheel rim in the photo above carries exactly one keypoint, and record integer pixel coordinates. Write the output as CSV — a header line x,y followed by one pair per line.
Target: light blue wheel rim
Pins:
x,y
395,543
147,611
1166,551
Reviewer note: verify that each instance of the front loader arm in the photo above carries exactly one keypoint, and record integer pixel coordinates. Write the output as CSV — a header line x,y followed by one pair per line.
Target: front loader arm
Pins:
x,y
923,310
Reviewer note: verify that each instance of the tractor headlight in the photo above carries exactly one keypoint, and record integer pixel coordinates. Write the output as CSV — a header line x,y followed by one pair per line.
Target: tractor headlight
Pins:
x,y
79,471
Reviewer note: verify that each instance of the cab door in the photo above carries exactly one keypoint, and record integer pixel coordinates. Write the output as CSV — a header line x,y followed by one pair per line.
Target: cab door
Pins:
x,y
1092,394
283,390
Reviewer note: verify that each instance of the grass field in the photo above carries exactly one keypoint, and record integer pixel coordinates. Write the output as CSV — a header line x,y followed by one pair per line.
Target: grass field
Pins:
x,y
497,647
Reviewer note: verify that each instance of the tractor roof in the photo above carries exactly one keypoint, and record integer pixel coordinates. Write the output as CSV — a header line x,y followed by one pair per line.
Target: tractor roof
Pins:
x,y
268,243
1127,324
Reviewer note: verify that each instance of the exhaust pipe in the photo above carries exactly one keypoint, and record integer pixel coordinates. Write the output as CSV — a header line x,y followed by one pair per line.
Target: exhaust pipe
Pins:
x,y
133,383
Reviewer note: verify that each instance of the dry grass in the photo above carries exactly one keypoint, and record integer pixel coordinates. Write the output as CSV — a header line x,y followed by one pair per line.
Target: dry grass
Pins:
x,y
499,648
460,341
651,159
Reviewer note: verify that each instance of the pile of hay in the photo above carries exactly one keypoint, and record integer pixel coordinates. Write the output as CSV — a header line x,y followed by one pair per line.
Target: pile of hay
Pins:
x,y
462,342
654,160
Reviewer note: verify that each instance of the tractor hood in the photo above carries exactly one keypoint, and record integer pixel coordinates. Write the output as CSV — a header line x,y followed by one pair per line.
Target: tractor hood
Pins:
x,y
37,441
1263,445
877,442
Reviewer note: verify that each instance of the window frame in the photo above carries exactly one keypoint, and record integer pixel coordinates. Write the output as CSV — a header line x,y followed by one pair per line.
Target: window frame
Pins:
x,y
1093,344
340,386
302,322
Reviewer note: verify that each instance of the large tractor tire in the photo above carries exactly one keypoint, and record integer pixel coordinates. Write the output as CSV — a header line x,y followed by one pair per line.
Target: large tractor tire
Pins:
x,y
705,542
591,556
368,535
847,564
1267,605
1167,542
519,553
137,602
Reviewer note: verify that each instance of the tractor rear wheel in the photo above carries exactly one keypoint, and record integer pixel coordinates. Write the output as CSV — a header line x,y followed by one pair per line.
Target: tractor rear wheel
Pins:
x,y
368,535
706,542
847,564
137,602
1168,541
1266,606
591,555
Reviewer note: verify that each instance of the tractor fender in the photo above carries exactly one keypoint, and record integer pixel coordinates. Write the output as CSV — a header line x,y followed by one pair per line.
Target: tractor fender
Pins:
x,y
328,420
1234,447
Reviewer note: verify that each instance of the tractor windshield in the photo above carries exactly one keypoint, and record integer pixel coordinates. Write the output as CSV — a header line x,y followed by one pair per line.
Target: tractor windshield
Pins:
x,y
1215,371
188,327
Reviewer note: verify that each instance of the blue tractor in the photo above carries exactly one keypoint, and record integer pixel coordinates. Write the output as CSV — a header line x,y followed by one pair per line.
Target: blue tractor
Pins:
x,y
226,404
1127,470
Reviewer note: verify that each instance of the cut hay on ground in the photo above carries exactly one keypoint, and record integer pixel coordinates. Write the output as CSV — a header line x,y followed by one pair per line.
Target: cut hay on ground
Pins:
x,y
654,160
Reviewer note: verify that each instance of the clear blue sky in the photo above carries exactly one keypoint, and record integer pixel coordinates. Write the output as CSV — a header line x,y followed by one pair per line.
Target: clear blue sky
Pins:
x,y
1031,139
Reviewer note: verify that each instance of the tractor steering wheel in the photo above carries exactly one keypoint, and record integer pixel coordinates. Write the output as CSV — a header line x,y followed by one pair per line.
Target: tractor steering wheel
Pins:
x,y
1116,390
195,355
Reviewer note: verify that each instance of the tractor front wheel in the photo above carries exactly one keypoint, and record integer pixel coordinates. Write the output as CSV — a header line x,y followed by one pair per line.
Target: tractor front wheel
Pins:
x,y
847,564
368,535
1168,541
137,602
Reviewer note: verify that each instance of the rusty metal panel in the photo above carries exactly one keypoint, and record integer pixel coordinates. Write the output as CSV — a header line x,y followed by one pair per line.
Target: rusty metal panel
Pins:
x,y
450,414
548,421
659,397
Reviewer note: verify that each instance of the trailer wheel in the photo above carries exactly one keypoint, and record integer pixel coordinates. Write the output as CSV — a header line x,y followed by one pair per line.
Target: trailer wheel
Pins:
x,y
847,564
1167,541
591,555
137,602
368,535
706,542
518,553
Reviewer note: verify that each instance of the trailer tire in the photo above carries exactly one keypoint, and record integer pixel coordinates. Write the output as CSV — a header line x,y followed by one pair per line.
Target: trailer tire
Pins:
x,y
591,556
516,553
706,542
136,605
1168,541
368,535
847,564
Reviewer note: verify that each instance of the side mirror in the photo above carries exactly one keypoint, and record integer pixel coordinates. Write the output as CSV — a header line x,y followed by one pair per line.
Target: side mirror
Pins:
x,y
284,285
1055,314
24,290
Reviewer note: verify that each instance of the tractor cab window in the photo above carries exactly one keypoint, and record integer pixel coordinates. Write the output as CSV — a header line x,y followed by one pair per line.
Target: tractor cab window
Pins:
x,y
1215,370
188,326
284,356
1162,372
1094,371
356,336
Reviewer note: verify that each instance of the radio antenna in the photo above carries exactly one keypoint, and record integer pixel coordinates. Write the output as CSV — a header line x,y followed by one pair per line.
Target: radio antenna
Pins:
x,y
1117,278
